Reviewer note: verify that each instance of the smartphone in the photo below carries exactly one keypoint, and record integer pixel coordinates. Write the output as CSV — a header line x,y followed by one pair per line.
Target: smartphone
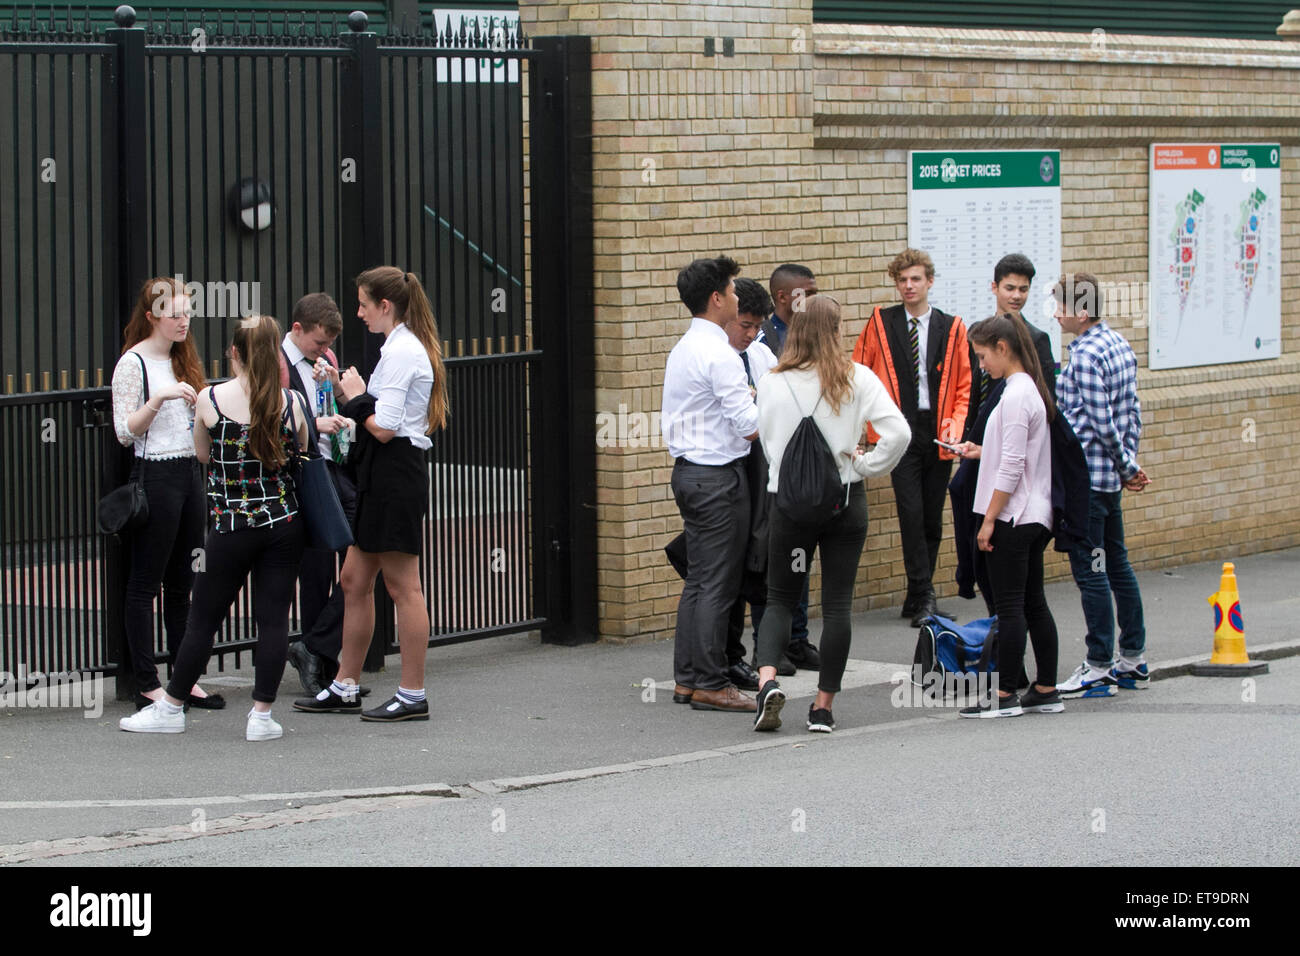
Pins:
x,y
952,448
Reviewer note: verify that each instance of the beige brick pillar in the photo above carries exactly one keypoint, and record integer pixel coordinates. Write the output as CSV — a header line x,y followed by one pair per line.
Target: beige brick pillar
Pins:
x,y
694,155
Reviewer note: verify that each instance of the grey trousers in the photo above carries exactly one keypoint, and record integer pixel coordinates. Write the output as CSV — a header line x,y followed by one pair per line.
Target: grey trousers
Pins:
x,y
714,504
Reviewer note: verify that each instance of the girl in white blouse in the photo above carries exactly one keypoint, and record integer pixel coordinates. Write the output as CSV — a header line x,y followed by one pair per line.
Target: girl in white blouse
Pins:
x,y
161,429
405,400
815,377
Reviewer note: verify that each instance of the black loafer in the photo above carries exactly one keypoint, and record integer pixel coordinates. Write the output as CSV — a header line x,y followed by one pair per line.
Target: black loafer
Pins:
x,y
804,655
332,704
742,675
397,709
926,608
308,667
211,702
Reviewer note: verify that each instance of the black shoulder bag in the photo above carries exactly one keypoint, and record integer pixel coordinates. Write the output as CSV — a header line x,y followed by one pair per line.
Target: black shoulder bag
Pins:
x,y
318,501
126,508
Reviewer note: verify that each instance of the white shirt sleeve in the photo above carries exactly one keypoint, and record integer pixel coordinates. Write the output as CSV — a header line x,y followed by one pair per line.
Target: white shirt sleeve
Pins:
x,y
875,406
128,395
732,391
390,393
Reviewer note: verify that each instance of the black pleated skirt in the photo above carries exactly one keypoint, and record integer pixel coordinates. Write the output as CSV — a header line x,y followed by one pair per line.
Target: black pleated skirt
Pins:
x,y
392,505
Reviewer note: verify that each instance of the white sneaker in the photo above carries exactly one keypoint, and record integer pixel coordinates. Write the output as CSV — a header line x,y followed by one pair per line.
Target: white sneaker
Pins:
x,y
152,720
262,728
1088,682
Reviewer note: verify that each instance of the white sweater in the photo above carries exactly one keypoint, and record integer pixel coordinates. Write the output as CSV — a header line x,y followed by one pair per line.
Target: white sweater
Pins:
x,y
779,416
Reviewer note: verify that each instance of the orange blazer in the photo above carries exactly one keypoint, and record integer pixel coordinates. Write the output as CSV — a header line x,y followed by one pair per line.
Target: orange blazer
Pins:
x,y
952,364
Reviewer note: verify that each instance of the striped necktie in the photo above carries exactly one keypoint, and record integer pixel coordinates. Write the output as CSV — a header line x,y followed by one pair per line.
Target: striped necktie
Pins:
x,y
985,380
915,339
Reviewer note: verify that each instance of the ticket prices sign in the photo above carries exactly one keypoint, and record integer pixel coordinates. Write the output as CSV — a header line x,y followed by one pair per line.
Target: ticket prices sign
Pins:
x,y
1215,254
969,208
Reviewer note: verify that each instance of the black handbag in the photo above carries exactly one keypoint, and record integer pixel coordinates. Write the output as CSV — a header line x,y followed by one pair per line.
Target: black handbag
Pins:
x,y
325,521
126,508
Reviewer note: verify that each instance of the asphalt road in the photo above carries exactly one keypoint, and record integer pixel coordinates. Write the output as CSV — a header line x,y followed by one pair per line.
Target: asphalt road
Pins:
x,y
1189,772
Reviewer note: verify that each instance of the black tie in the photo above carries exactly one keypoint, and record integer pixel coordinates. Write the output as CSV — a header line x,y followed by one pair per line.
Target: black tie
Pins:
x,y
916,349
748,376
985,379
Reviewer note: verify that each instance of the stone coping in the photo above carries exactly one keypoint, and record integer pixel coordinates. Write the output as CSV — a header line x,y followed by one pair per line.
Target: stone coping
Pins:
x,y
854,39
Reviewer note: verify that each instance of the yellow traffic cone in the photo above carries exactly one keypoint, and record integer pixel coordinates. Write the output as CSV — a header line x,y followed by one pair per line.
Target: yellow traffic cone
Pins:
x,y
1229,658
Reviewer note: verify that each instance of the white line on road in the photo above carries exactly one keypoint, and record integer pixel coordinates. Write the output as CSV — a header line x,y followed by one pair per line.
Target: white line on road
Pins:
x,y
369,799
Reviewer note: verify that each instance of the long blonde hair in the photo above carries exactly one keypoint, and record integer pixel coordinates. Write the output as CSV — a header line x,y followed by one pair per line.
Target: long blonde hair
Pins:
x,y
814,341
411,305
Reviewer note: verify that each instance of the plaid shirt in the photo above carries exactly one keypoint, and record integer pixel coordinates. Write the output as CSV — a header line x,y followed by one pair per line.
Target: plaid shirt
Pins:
x,y
1097,392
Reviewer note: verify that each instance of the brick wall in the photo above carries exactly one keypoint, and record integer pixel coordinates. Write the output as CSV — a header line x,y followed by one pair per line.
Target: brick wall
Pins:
x,y
795,148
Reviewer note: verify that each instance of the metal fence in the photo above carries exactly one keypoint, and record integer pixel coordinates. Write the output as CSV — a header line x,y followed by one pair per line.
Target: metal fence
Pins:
x,y
129,153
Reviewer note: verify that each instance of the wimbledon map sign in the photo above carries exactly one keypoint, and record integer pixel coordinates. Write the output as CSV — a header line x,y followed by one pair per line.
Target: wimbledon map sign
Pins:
x,y
1215,253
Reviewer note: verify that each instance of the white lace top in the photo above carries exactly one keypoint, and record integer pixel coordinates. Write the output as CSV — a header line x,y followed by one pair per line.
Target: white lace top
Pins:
x,y
172,433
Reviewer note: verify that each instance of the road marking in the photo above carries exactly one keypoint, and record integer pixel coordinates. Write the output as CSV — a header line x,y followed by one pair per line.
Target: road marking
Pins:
x,y
300,796
369,799
239,823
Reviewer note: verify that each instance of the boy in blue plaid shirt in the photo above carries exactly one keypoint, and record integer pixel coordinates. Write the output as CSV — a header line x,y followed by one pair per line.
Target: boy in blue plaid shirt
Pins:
x,y
1097,393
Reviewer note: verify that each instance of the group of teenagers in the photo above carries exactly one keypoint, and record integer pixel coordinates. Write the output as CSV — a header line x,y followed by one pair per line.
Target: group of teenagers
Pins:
x,y
228,456
920,391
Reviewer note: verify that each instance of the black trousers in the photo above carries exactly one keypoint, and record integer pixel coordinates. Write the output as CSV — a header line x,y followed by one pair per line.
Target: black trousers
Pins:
x,y
714,504
920,492
790,549
320,595
162,555
272,555
1015,568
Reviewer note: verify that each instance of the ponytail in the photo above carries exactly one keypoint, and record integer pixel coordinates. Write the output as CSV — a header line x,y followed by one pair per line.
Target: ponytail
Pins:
x,y
1014,330
404,290
257,342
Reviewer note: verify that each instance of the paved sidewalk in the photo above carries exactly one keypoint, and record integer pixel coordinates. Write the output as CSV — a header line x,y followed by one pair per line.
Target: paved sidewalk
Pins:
x,y
512,709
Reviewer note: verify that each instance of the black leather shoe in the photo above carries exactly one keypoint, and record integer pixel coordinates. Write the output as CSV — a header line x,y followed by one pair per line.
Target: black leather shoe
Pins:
x,y
308,666
742,675
396,709
332,704
927,607
804,655
211,702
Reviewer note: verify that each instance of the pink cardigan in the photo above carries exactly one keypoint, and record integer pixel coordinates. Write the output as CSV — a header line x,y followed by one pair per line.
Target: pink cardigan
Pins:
x,y
1017,456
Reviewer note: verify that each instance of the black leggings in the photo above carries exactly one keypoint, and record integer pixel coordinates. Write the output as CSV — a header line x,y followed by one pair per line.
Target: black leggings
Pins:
x,y
162,555
1016,571
272,554
789,552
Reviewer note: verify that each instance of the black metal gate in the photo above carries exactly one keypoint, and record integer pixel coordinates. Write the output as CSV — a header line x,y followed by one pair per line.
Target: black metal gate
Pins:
x,y
128,156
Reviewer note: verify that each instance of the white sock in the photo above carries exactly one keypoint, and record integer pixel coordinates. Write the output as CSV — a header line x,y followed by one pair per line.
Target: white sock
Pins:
x,y
264,714
1095,673
167,707
346,691
1132,663
410,696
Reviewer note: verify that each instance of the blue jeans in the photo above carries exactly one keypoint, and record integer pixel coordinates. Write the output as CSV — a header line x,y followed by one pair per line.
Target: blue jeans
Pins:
x,y
1113,577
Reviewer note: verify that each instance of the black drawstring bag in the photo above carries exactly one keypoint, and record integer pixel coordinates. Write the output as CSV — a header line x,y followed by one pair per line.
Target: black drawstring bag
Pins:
x,y
809,490
126,508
